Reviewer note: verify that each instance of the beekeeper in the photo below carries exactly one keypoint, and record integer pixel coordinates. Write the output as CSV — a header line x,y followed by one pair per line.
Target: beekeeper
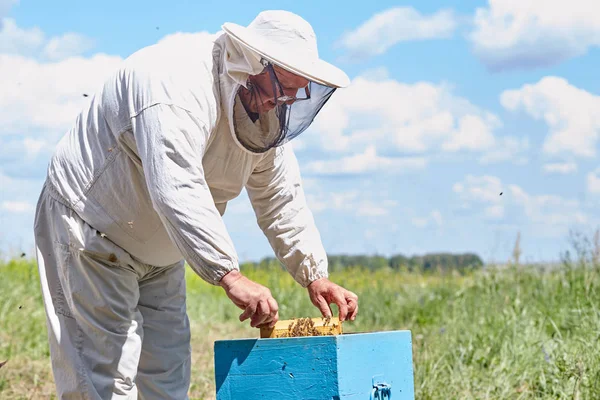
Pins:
x,y
140,183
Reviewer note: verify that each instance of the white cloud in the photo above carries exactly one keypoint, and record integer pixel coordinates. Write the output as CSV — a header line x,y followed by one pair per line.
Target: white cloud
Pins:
x,y
48,96
17,206
65,46
310,183
370,233
593,181
436,217
24,155
377,73
514,33
419,222
548,209
14,40
5,6
183,38
415,117
494,212
40,100
550,214
33,146
18,195
16,189
33,43
372,209
473,133
316,204
507,149
298,144
480,188
483,190
385,29
365,162
352,202
342,201
433,219
560,168
570,113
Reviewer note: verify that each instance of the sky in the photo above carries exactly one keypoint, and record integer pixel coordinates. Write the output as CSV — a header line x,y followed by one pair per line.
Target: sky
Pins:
x,y
463,125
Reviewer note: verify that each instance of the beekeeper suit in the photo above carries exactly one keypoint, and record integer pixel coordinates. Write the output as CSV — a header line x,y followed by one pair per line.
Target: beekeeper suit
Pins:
x,y
140,183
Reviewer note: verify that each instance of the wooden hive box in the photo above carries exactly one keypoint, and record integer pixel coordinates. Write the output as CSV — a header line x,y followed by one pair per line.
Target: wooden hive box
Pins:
x,y
348,366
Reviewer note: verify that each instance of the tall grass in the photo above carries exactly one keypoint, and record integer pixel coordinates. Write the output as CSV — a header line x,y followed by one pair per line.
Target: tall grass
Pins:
x,y
511,333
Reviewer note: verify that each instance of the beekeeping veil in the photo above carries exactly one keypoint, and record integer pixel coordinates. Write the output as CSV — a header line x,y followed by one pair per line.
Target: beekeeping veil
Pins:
x,y
276,40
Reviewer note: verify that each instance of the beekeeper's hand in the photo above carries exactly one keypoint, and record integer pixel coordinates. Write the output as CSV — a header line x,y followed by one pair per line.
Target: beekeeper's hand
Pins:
x,y
255,299
323,292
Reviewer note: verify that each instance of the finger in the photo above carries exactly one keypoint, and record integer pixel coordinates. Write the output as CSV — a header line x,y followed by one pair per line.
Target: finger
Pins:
x,y
323,306
273,306
340,301
273,316
248,312
261,315
352,300
352,309
275,319
271,322
351,295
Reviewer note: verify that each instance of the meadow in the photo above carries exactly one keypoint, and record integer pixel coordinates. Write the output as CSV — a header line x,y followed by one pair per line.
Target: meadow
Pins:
x,y
516,332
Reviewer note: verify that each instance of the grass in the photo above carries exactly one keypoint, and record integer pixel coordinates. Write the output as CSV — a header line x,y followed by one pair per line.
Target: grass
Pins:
x,y
515,333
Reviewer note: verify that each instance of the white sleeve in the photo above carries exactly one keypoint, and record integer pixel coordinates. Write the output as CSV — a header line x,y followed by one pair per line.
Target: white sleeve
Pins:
x,y
275,190
171,144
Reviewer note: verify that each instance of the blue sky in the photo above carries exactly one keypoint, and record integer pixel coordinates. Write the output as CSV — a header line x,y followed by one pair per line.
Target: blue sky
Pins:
x,y
449,106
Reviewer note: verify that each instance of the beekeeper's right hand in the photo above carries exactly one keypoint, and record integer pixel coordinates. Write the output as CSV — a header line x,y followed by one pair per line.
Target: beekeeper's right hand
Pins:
x,y
255,299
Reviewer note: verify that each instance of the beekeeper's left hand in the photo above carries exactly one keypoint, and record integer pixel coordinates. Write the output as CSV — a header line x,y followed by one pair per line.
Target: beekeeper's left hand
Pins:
x,y
256,300
323,292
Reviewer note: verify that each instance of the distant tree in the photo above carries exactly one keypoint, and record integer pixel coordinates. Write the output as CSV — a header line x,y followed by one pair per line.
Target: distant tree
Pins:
x,y
269,262
398,261
427,262
446,261
378,262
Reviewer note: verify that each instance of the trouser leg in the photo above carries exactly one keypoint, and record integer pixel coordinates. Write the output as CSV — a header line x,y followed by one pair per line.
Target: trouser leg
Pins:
x,y
90,291
164,369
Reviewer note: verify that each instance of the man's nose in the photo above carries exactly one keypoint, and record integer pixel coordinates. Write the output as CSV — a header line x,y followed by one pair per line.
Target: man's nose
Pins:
x,y
290,92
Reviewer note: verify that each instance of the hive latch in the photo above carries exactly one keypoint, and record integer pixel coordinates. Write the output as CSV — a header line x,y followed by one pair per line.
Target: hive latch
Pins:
x,y
381,389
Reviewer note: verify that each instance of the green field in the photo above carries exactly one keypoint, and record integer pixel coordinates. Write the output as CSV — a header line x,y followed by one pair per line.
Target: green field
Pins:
x,y
515,333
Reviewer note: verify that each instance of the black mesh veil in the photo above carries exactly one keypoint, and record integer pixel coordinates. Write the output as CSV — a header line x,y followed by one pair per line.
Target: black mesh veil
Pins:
x,y
287,117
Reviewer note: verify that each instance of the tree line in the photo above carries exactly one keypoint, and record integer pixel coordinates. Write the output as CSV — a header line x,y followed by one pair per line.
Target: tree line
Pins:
x,y
428,262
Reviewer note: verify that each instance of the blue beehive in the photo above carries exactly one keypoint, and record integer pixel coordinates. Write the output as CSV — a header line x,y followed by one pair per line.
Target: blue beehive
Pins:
x,y
350,366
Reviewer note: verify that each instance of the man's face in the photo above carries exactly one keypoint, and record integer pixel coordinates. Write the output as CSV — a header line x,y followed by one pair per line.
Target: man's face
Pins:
x,y
290,83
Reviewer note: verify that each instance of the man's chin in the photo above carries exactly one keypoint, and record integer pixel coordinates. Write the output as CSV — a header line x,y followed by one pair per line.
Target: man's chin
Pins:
x,y
265,109
260,110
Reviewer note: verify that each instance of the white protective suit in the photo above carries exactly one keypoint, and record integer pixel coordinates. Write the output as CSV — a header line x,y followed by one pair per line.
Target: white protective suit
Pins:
x,y
137,186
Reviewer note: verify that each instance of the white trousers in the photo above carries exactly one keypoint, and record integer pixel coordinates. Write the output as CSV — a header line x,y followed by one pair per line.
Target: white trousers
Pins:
x,y
118,329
